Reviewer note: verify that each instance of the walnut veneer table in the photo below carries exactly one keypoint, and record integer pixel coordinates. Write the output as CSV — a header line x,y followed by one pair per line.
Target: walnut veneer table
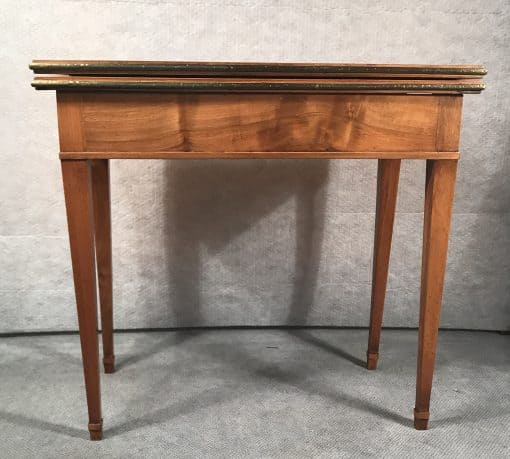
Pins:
x,y
184,110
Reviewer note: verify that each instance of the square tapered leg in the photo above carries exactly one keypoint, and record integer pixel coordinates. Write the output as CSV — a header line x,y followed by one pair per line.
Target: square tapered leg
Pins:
x,y
388,171
100,178
439,190
78,197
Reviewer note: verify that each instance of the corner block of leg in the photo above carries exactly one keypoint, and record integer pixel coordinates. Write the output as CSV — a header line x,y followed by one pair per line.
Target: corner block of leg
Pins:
x,y
372,358
109,364
96,430
421,419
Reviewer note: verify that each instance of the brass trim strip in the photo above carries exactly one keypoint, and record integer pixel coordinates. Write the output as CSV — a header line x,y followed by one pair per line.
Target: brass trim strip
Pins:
x,y
235,68
214,86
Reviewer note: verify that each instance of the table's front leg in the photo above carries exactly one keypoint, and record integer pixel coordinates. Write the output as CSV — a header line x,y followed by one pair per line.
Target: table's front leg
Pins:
x,y
79,205
439,190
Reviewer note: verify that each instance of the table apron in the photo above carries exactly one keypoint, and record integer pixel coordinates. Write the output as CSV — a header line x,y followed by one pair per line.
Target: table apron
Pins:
x,y
181,126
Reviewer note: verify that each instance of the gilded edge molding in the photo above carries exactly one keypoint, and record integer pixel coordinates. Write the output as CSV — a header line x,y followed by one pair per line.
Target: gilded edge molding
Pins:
x,y
214,86
125,67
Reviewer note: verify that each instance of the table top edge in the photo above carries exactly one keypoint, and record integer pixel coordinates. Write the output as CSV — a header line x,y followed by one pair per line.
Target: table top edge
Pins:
x,y
280,69
240,85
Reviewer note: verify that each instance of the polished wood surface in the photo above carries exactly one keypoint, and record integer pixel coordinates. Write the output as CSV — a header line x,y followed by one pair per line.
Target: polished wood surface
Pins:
x,y
190,110
100,181
70,131
388,172
259,155
170,125
80,220
439,189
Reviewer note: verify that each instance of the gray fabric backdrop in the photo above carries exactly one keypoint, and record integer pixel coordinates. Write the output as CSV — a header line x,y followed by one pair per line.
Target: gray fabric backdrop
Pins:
x,y
252,242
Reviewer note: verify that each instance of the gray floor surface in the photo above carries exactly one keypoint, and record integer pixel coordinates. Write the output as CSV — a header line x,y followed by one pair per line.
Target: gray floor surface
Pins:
x,y
256,393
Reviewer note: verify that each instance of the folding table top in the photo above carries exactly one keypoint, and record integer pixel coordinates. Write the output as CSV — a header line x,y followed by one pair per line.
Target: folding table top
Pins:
x,y
256,77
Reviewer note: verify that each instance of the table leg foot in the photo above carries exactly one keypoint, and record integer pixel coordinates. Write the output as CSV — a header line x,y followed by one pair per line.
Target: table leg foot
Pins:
x,y
109,364
372,358
421,420
96,430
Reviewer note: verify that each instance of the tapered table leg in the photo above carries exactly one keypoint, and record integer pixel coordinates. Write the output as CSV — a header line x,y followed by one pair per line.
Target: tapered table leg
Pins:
x,y
78,197
439,190
388,171
100,175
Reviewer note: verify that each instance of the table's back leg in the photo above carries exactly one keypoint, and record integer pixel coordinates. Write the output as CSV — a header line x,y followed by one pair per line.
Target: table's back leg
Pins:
x,y
100,175
78,197
439,190
388,171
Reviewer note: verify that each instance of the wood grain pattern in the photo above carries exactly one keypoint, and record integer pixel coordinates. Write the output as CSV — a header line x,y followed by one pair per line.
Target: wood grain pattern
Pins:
x,y
69,113
256,110
209,123
100,178
439,191
78,198
448,123
388,172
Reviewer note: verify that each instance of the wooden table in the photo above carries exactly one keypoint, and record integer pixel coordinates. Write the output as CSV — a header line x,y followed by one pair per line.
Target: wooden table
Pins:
x,y
184,110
